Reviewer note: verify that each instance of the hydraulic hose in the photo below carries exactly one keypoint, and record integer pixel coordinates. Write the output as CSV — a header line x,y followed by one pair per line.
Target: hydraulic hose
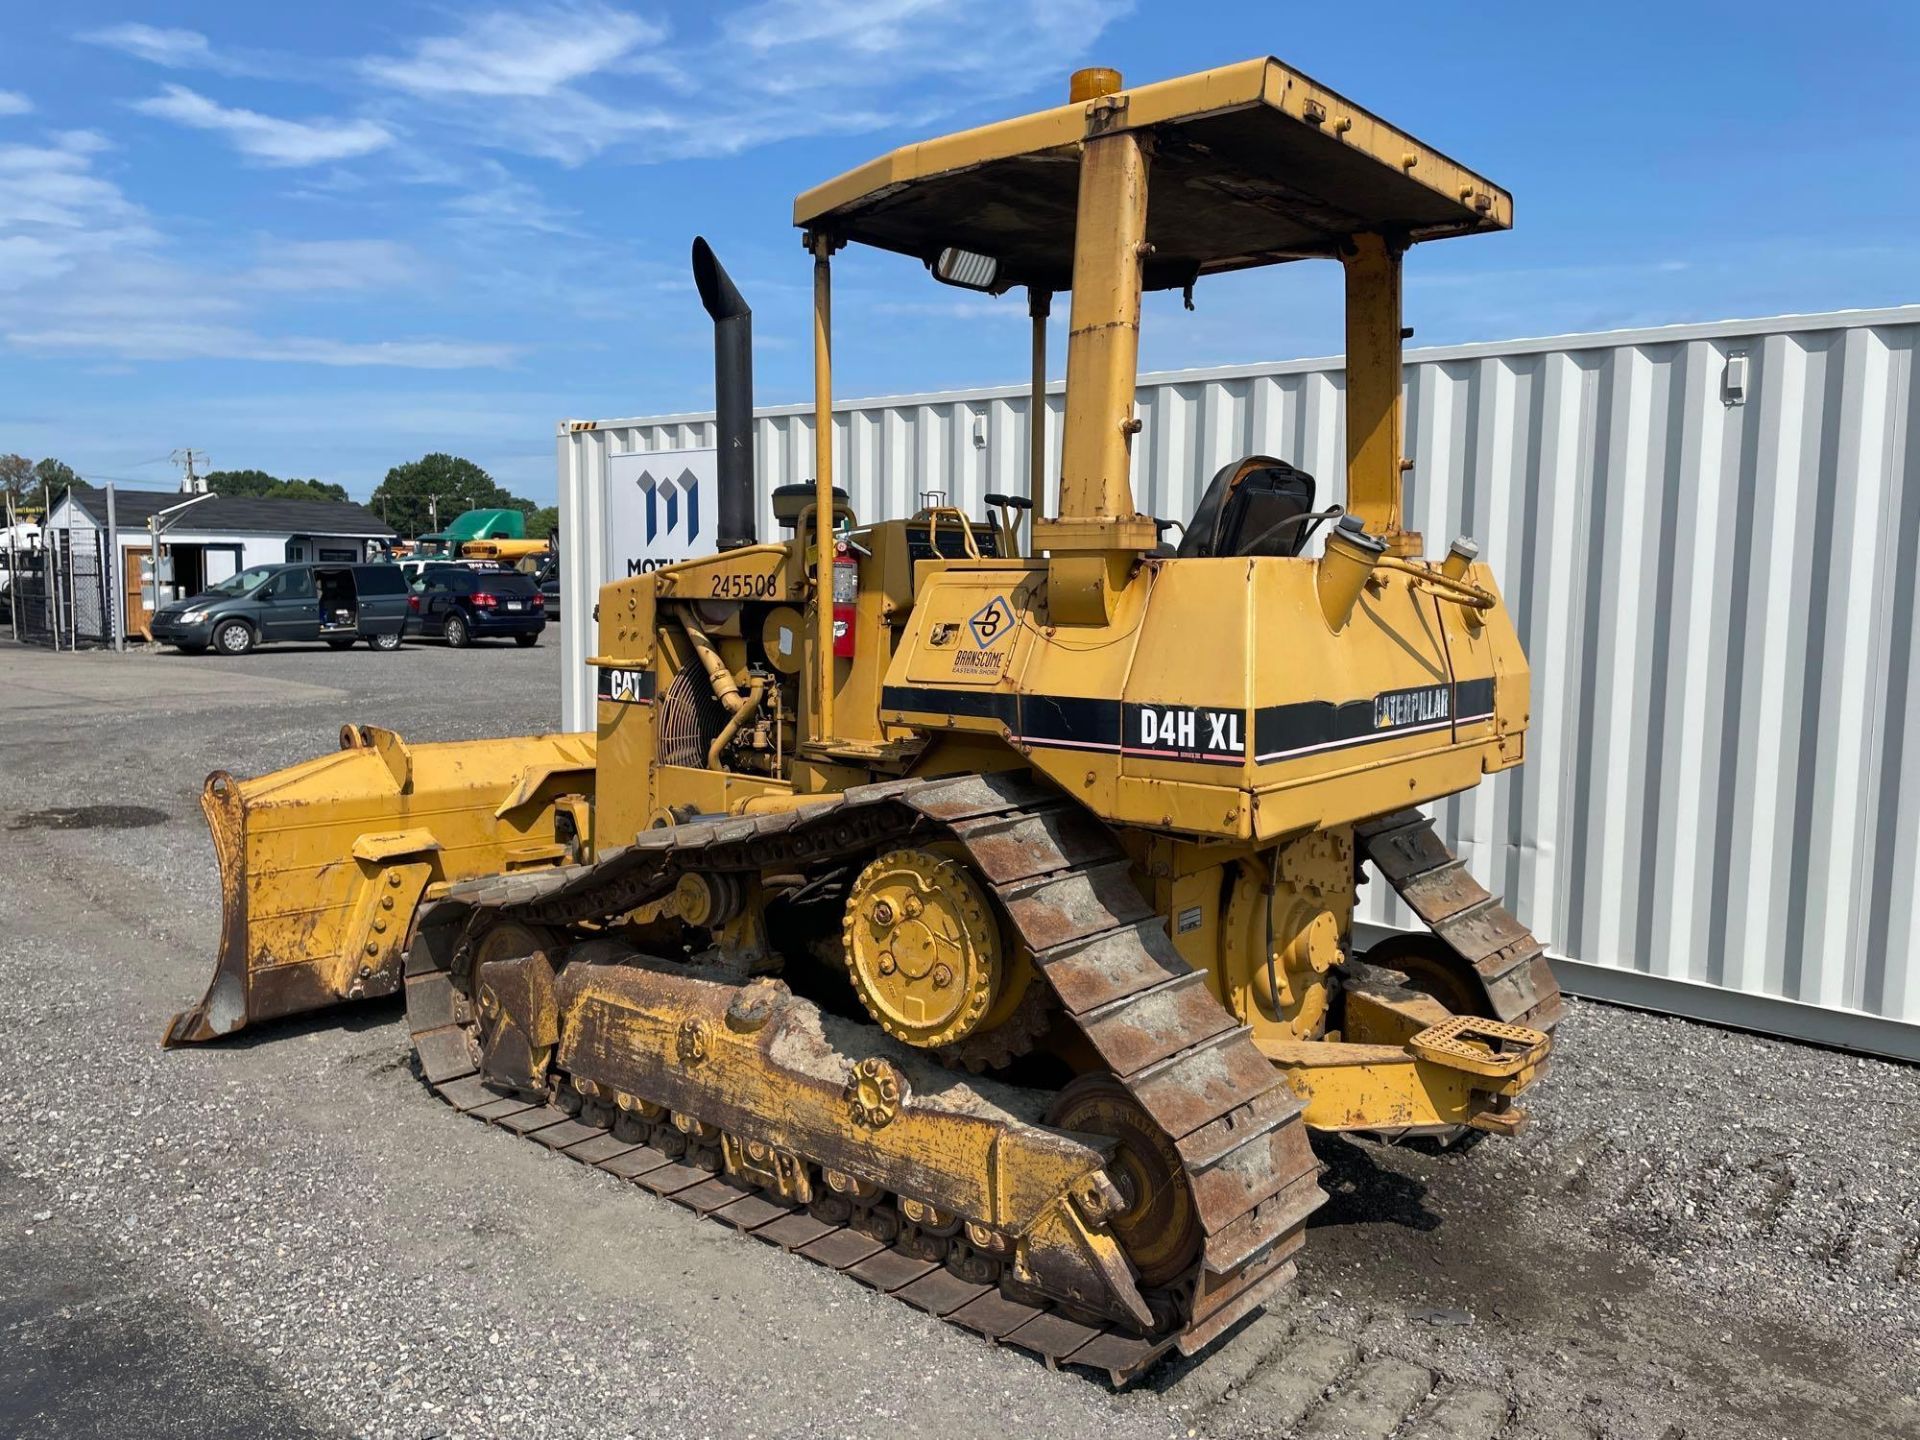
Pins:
x,y
748,709
726,689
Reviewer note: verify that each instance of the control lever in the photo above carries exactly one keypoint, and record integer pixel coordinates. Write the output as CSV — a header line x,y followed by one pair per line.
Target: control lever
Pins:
x,y
1008,506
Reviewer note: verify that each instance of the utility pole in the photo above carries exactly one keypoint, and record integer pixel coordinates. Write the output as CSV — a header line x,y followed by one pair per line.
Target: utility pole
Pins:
x,y
433,509
191,483
114,588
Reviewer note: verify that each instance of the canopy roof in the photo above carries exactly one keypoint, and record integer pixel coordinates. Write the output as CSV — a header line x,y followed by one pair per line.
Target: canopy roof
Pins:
x,y
1251,164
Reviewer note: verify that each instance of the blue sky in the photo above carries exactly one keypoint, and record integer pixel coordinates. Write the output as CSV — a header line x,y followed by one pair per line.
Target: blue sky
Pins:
x,y
319,240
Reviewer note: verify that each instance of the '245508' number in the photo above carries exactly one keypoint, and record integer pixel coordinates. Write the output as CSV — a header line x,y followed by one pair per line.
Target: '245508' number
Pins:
x,y
745,587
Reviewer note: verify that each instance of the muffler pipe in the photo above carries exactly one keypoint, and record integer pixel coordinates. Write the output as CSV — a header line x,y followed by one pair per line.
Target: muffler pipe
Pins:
x,y
732,394
1344,570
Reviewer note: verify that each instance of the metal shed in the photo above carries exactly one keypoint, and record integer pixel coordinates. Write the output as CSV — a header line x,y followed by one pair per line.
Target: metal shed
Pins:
x,y
1709,535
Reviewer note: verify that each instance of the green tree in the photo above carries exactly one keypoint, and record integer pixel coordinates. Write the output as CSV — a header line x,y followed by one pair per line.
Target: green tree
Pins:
x,y
438,485
16,474
542,524
251,484
258,484
50,478
312,490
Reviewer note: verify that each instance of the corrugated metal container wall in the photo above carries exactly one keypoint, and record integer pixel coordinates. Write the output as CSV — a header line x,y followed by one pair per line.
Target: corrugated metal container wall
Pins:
x,y
1709,536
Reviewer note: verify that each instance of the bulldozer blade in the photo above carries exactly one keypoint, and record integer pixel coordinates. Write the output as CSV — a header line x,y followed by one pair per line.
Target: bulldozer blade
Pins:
x,y
324,865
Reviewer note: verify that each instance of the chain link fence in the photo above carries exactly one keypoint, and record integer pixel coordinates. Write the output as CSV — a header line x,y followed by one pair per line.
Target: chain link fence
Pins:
x,y
62,595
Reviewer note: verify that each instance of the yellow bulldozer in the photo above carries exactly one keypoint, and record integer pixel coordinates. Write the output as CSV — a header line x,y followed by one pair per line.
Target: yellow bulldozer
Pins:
x,y
967,903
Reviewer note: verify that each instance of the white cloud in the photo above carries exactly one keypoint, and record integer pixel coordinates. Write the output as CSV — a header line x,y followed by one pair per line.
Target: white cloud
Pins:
x,y
164,338
175,49
85,274
980,307
995,39
85,271
28,259
530,53
575,82
570,128
268,138
57,208
303,266
408,354
504,201
81,142
571,80
12,102
72,244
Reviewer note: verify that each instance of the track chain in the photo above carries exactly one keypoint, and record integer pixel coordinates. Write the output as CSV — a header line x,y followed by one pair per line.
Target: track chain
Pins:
x,y
1067,888
1064,883
1510,963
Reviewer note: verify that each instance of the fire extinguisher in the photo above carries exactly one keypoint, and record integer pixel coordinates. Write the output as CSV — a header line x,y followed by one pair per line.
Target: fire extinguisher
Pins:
x,y
846,590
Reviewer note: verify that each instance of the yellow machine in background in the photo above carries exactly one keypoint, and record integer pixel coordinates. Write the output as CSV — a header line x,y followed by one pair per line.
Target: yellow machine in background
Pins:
x,y
972,916
508,552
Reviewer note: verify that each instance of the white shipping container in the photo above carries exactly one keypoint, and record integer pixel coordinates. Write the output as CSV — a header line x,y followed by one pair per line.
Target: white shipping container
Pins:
x,y
1709,536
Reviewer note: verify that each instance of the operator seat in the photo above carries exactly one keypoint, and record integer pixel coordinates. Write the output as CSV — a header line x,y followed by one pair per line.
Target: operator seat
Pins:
x,y
791,501
1255,506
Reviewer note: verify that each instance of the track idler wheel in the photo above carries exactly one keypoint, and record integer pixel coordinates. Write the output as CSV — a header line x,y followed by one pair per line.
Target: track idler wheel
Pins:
x,y
509,969
924,951
1160,1226
1433,969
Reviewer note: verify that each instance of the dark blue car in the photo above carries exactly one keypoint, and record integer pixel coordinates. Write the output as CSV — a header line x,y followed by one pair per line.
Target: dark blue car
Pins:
x,y
459,606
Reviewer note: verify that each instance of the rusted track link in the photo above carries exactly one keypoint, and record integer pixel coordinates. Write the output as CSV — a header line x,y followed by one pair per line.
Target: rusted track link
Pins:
x,y
1064,884
1149,1015
1055,1336
1510,963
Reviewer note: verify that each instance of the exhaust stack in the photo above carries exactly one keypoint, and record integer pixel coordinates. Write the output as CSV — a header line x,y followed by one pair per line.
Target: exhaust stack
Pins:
x,y
732,394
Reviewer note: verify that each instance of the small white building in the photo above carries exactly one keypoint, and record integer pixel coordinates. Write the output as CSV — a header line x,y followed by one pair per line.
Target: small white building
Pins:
x,y
211,540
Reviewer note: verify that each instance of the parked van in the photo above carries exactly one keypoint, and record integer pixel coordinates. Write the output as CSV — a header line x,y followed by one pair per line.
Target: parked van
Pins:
x,y
335,603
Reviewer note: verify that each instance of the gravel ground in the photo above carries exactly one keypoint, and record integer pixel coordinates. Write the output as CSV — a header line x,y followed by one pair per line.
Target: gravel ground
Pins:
x,y
1703,1234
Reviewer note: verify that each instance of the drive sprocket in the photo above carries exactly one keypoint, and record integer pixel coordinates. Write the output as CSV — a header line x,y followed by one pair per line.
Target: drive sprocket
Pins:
x,y
923,948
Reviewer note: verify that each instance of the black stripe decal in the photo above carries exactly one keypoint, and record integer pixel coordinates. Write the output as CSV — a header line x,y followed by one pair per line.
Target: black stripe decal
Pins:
x,y
1069,722
1473,699
1280,732
1285,732
974,704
